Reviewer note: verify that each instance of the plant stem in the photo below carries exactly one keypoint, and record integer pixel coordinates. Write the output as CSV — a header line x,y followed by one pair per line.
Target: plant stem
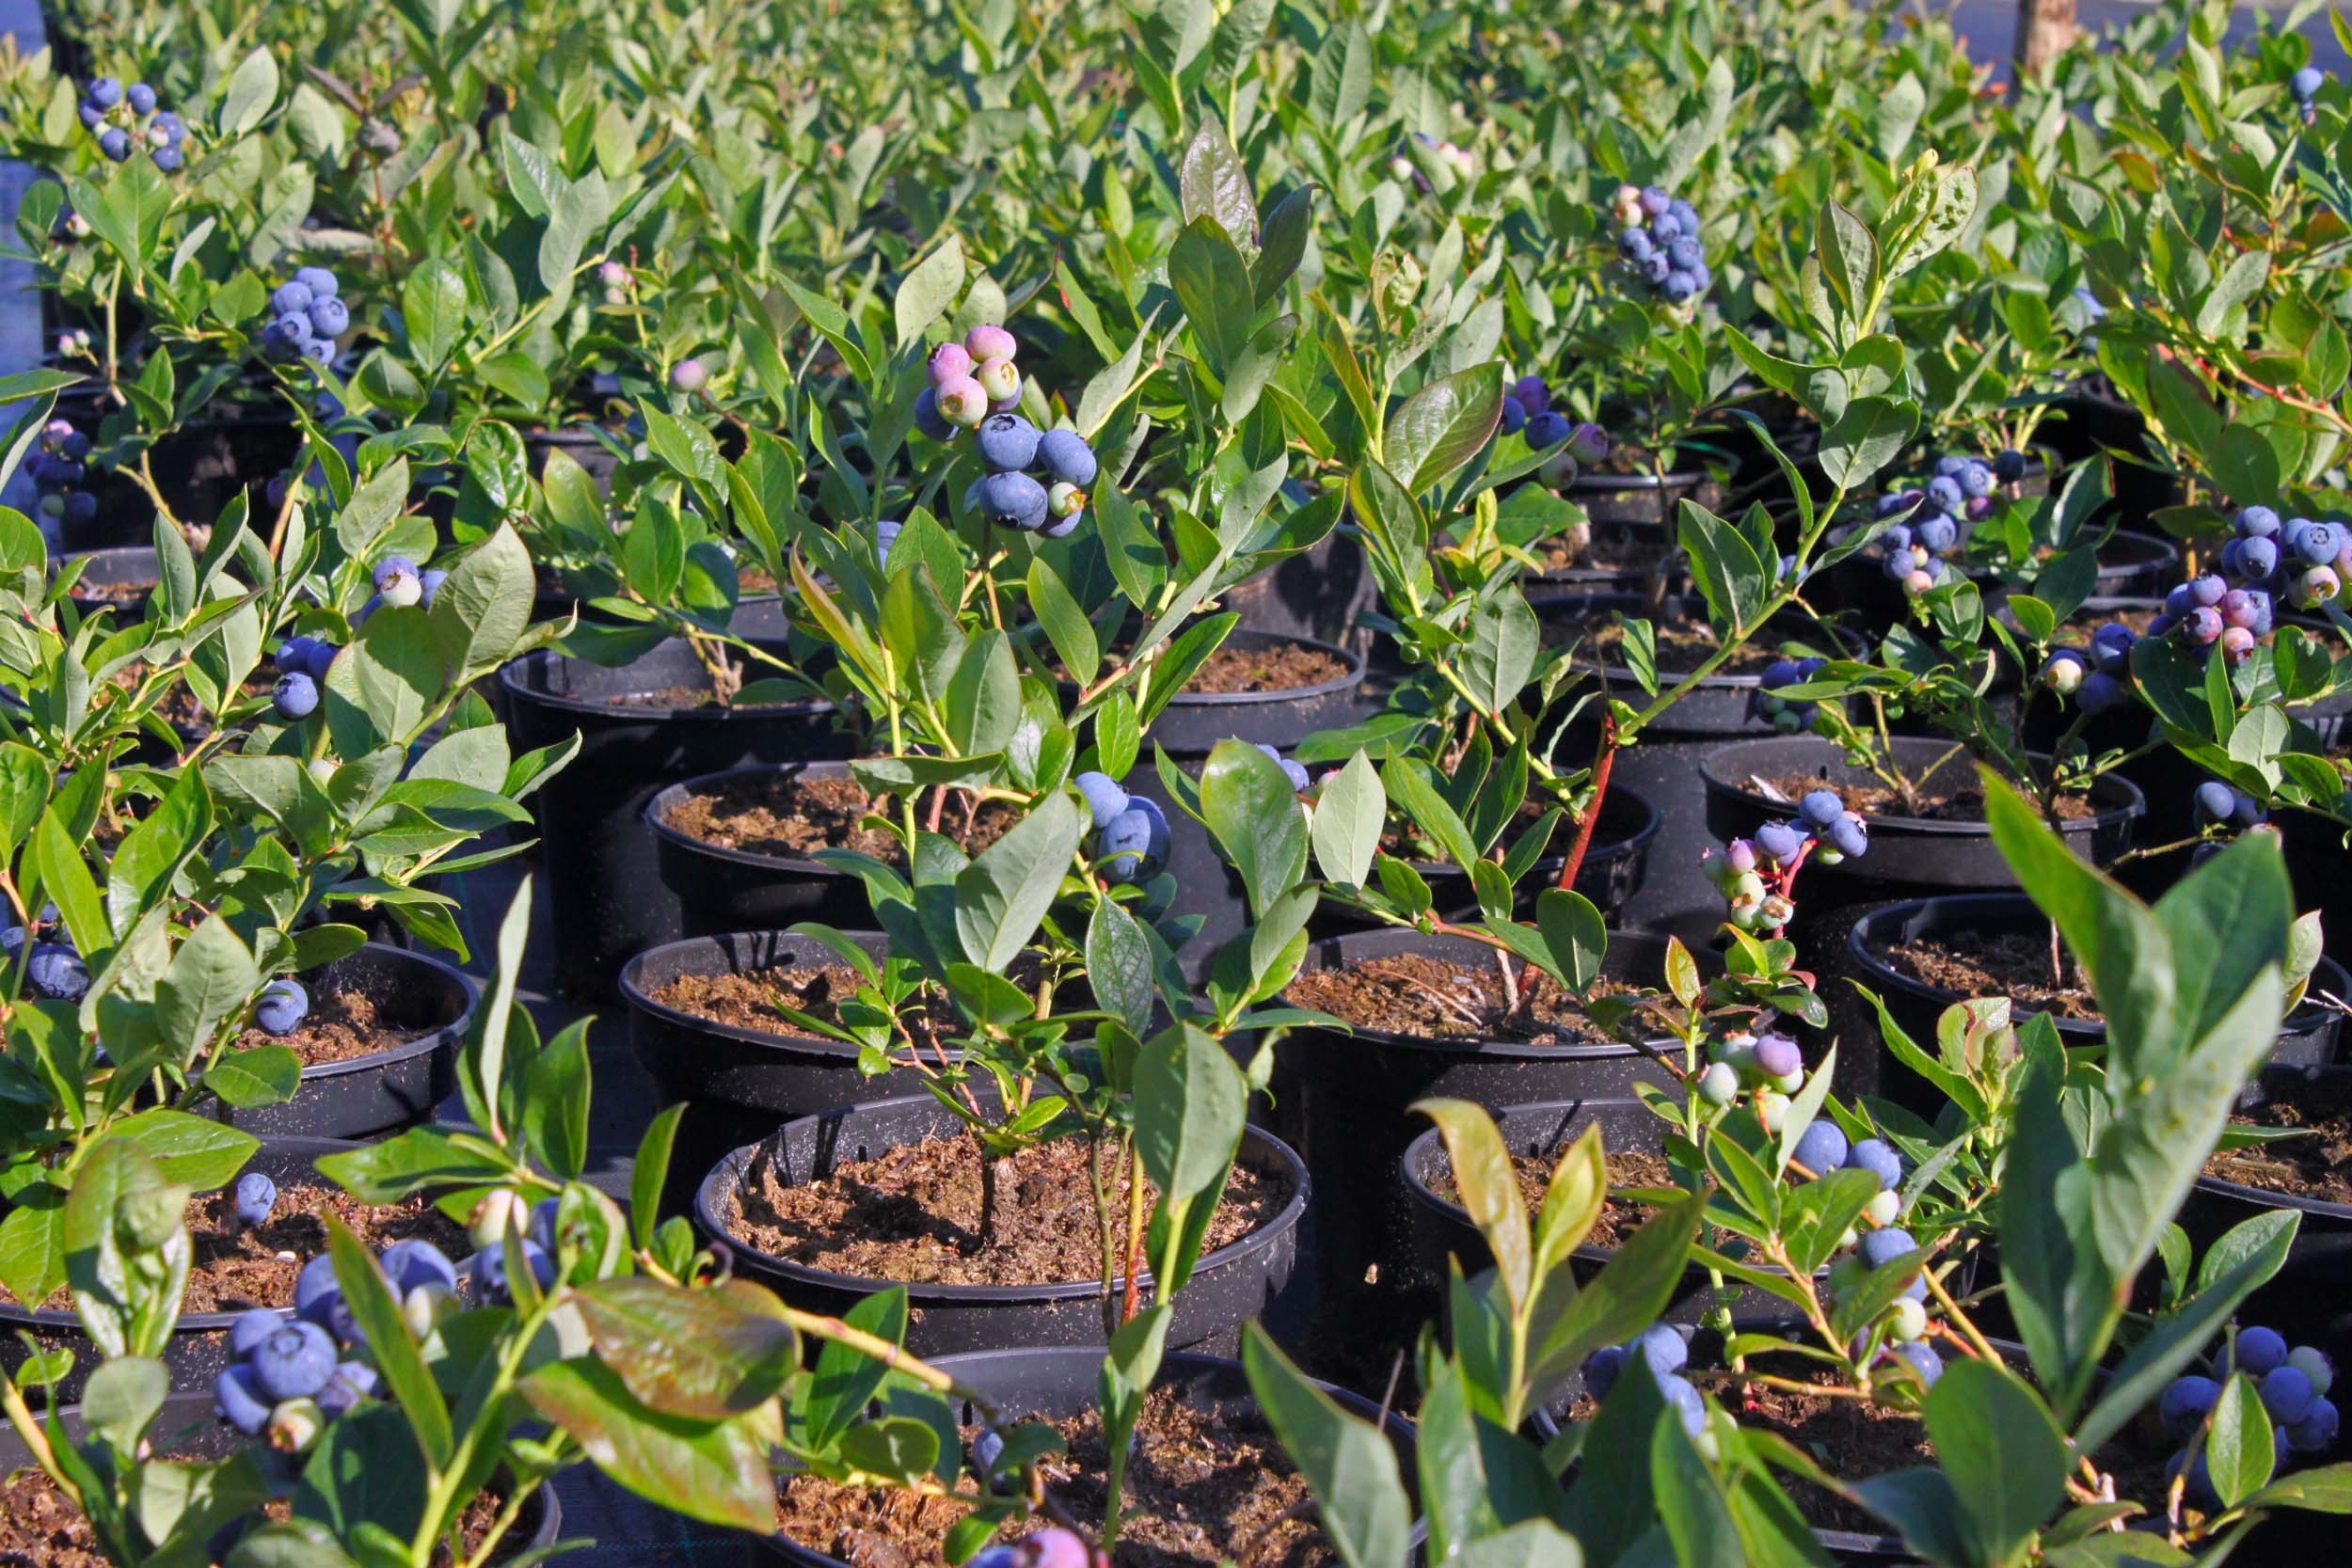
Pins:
x,y
1602,759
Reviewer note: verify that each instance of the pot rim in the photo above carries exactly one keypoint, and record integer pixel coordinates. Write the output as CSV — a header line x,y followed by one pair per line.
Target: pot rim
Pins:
x,y
516,690
656,820
2129,809
1652,821
423,1044
635,996
729,1167
2261,1196
1353,678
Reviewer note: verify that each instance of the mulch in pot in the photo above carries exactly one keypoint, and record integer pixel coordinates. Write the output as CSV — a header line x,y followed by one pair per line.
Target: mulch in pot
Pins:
x,y
793,817
232,1268
915,1214
2015,964
1271,664
756,999
340,1026
1433,998
2317,1164
1201,1489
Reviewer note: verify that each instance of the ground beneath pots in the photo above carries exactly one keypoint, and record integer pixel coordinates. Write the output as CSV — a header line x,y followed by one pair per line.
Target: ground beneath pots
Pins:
x,y
340,1026
1619,1218
1951,794
917,1213
1433,998
41,1528
232,1268
2015,964
2317,1166
757,999
794,817
1200,1490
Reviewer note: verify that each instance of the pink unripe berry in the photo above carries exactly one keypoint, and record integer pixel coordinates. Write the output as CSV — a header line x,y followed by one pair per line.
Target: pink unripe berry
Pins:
x,y
688,375
962,402
1741,854
988,341
999,378
948,361
612,276
1053,1547
2237,645
1918,582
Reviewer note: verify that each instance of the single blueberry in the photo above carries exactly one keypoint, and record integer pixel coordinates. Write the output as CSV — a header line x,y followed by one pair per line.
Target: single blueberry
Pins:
x,y
56,974
140,97
1662,1347
1012,500
1975,479
1822,1147
291,299
414,1261
1945,491
2215,801
1067,457
2286,1394
1820,807
1102,795
2255,522
251,1327
1780,840
2256,559
928,418
104,91
2257,1350
1548,429
295,1362
1777,1057
1601,1368
1879,1157
1685,1402
1005,442
2187,1400
2009,464
1922,1359
320,281
115,143
2316,1432
294,696
237,1399
1850,835
329,316
257,1195
284,1004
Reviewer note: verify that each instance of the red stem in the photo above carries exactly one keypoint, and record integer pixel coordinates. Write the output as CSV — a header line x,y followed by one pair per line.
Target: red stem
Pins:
x,y
1601,761
1789,877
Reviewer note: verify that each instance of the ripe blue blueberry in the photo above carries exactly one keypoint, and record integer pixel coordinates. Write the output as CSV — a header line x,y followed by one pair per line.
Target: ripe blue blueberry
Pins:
x,y
1938,532
1780,840
106,93
928,418
290,299
1850,835
257,1195
1665,229
1601,1368
1975,479
329,316
2306,83
320,281
416,1262
1879,1157
1635,243
295,1362
430,580
2286,1394
1678,286
92,117
1885,1244
1067,457
1125,844
141,98
1683,254
1685,1402
1007,441
353,1382
2009,464
2316,1432
1945,491
55,972
1013,500
1547,429
1820,807
2099,692
294,696
238,1400
1514,416
2257,1350
1654,267
1922,1359
2111,647
2187,1402
319,1300
2255,522
1822,1147
1654,201
2215,801
283,1005
115,143
1104,796
1665,1350
2256,559
1777,1057
2319,544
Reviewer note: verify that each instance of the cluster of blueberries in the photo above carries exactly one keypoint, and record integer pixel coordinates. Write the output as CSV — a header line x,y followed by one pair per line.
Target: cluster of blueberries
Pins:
x,y
1927,519
1823,1148
55,971
58,474
121,117
1527,411
1666,1352
2218,805
1783,714
303,661
2294,1385
1824,829
2095,676
1051,1547
975,385
1659,237
306,317
1130,840
1769,1063
2308,561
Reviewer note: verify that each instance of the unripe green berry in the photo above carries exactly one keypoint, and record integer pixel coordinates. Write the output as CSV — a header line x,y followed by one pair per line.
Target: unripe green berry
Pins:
x,y
1882,1207
1906,1320
1719,1085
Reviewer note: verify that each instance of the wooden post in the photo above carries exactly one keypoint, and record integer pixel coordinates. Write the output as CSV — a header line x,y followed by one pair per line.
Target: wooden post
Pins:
x,y
2045,29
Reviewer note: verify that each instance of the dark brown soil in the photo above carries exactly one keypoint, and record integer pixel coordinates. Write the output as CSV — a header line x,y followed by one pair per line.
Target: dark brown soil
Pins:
x,y
794,817
1276,667
1853,1440
2088,621
2315,1167
340,1027
1619,1218
1682,645
2015,964
1951,794
1433,998
1562,553
1200,1491
232,1268
39,1529
666,697
917,1213
757,999
112,593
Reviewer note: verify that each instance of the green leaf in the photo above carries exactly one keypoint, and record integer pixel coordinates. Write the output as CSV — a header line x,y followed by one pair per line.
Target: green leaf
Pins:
x,y
1349,812
1189,1106
2240,1453
1499,649
1489,1187
555,1101
1442,425
1849,259
256,1075
2005,1457
252,88
391,1344
1119,965
122,1400
1212,283
1867,435
194,1152
715,1471
929,287
1348,1462
1250,807
1002,894
1574,932
688,1352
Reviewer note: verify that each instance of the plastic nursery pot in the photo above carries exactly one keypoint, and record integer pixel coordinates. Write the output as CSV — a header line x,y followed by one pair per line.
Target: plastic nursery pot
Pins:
x,y
2310,1299
1346,1096
1909,856
1315,594
366,1097
2313,847
1654,498
199,1341
606,901
2307,1037
738,1083
586,445
1228,1286
2137,566
1674,895
1615,866
720,889
1054,1382
120,579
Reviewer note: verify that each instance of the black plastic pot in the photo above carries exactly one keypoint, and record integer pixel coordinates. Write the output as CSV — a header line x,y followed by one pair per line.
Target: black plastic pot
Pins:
x,y
1053,1382
385,1090
199,1342
1616,865
1674,895
129,569
1345,1097
1227,1287
2316,859
1909,856
2310,1299
720,889
582,443
1652,499
737,1083
2307,1037
1194,722
1316,595
607,900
